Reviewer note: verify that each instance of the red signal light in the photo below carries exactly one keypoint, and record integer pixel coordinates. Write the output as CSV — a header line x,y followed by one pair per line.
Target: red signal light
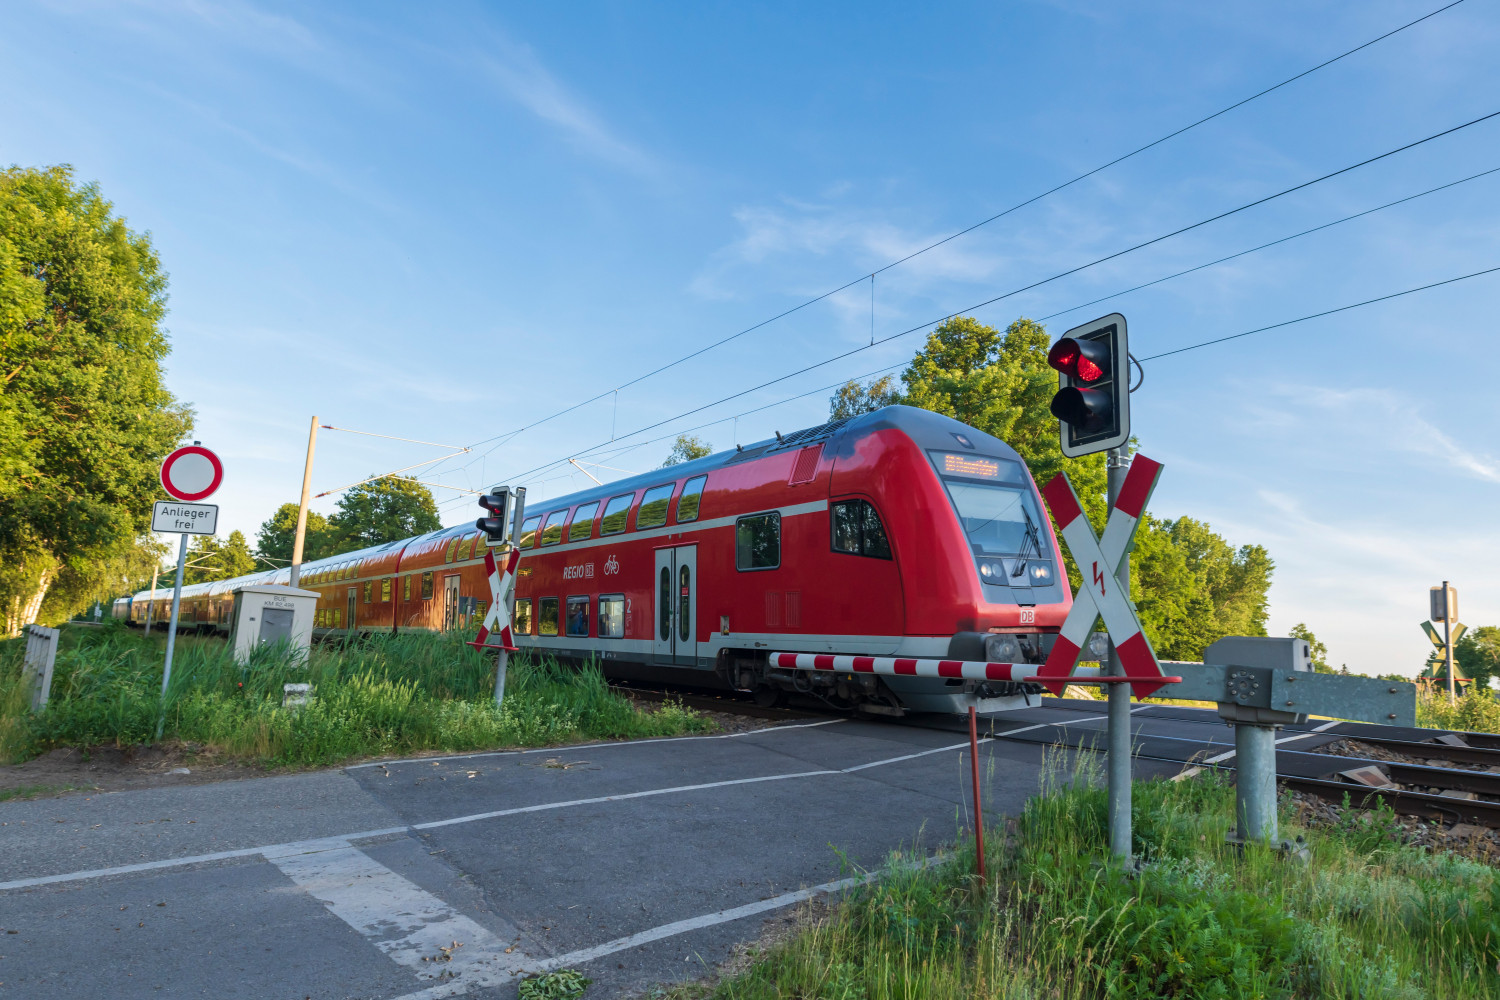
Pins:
x,y
1085,360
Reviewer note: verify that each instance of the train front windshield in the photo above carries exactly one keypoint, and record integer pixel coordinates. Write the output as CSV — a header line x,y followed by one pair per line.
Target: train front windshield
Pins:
x,y
993,503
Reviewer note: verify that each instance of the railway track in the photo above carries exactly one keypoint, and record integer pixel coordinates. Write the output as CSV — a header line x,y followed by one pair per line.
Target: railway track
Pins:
x,y
1467,793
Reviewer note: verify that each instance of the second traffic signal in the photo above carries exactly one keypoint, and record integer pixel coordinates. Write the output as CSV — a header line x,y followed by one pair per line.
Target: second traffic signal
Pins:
x,y
496,526
1092,404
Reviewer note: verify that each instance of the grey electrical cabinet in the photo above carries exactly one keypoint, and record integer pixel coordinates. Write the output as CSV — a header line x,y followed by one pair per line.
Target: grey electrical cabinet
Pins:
x,y
267,616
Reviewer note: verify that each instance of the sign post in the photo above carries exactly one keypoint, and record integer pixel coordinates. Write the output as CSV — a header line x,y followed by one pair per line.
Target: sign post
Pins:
x,y
502,575
189,474
1444,609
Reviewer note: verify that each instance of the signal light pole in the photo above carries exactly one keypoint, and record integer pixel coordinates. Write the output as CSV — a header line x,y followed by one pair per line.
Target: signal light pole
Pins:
x,y
1092,407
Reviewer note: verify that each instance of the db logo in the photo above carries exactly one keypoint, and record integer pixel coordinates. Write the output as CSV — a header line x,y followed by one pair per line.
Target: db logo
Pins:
x,y
1028,616
611,566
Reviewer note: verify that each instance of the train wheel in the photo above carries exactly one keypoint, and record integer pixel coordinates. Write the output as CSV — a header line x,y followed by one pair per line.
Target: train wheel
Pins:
x,y
767,696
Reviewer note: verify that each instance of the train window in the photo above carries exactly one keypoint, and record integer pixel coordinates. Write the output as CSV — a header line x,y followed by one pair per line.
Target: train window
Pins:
x,y
684,601
653,512
449,551
757,541
406,587
336,617
611,616
547,617
521,623
369,590
615,513
687,504
857,530
578,616
552,530
465,550
528,531
583,522
426,586
385,590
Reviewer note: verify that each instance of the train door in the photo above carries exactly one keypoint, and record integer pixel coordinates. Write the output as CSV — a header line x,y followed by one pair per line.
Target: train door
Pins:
x,y
676,605
450,603
349,610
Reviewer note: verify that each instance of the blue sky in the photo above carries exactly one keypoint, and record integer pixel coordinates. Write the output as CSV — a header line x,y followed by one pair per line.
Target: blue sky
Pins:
x,y
442,221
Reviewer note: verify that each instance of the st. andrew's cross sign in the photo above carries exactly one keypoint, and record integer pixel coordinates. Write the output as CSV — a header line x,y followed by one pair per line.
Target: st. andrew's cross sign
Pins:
x,y
496,617
1100,593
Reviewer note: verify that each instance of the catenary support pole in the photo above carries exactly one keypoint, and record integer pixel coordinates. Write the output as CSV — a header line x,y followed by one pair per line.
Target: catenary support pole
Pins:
x,y
502,662
1255,782
978,811
312,441
1118,738
1448,640
151,601
166,670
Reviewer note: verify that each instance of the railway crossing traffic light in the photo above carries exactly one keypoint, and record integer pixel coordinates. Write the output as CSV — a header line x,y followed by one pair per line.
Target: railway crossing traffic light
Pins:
x,y
1092,404
496,526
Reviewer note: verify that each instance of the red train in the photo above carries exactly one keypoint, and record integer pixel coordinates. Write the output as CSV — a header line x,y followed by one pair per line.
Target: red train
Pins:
x,y
896,533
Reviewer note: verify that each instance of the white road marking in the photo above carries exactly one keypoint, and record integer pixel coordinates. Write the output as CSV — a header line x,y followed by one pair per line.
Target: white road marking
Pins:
x,y
193,859
586,955
595,746
1062,725
335,842
406,922
1219,758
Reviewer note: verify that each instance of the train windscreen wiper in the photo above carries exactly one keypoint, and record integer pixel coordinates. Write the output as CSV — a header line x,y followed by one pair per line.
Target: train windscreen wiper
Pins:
x,y
1031,536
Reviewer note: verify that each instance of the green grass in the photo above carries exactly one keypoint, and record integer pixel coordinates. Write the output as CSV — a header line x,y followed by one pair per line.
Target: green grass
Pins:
x,y
386,694
1367,917
28,792
1475,712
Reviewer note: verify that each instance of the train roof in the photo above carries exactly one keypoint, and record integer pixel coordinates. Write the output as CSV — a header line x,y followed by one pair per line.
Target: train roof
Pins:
x,y
927,429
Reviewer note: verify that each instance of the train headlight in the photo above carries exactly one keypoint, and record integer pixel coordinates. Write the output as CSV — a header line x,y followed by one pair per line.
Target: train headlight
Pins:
x,y
1041,574
986,572
1002,649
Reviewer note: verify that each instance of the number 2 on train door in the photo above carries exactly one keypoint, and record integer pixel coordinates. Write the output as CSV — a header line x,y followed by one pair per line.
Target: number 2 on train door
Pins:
x,y
675,595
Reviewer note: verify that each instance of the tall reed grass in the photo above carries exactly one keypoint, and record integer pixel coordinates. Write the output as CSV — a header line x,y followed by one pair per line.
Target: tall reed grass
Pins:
x,y
1367,917
382,694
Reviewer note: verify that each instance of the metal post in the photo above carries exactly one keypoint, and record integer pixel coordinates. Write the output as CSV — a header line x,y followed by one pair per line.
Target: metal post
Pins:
x,y
151,601
1255,782
1118,738
1448,640
312,440
166,673
502,662
978,814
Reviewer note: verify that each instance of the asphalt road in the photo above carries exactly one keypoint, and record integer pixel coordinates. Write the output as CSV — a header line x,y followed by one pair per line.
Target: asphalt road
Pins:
x,y
637,863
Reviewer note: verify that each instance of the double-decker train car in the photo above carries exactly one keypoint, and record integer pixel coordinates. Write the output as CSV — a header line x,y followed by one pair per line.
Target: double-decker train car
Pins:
x,y
895,533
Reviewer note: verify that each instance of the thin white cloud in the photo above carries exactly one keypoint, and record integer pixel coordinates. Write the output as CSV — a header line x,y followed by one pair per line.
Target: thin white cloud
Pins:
x,y
1400,422
523,79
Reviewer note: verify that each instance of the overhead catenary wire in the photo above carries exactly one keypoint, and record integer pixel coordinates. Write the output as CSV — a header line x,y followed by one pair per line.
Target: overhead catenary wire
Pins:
x,y
870,276
1035,284
1325,312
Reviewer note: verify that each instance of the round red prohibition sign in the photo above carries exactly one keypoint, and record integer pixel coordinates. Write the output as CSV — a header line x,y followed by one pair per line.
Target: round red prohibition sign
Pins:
x,y
191,473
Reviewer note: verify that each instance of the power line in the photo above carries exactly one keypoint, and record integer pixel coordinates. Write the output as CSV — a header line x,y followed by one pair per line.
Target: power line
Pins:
x,y
1036,284
1325,312
969,229
1264,246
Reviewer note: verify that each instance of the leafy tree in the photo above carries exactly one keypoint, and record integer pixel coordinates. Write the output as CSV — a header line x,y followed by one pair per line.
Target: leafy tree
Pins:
x,y
687,448
277,536
215,560
84,417
382,510
1319,651
854,398
1001,384
1192,588
1478,655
